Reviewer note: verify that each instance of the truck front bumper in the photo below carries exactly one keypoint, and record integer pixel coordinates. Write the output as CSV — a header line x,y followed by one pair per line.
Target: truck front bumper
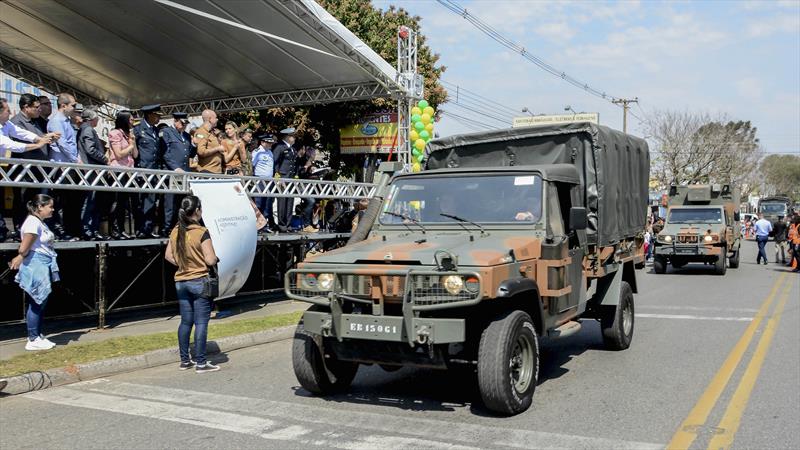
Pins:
x,y
699,251
385,328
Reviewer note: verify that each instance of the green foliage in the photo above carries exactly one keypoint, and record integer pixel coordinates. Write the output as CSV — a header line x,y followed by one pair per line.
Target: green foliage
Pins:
x,y
781,174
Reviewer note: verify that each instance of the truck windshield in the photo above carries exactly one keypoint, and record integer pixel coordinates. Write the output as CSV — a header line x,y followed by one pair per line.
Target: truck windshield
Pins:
x,y
695,215
477,198
774,209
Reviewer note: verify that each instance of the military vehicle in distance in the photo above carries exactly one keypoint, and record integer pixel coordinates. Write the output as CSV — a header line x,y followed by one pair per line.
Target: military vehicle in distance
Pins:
x,y
702,225
775,207
505,237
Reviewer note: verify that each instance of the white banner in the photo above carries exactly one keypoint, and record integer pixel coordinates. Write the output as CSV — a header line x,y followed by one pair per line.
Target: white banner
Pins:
x,y
231,222
530,121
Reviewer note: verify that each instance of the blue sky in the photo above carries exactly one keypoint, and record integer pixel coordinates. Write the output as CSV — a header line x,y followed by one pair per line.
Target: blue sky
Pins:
x,y
738,58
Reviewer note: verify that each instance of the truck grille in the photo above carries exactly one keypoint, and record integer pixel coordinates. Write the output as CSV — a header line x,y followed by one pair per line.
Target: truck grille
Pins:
x,y
428,290
687,239
355,284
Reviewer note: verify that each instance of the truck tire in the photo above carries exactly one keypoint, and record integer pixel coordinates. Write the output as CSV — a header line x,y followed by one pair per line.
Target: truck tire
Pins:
x,y
508,363
721,265
659,264
616,322
314,373
733,261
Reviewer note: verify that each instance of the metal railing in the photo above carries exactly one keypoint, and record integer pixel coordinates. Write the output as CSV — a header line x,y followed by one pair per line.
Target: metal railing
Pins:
x,y
56,175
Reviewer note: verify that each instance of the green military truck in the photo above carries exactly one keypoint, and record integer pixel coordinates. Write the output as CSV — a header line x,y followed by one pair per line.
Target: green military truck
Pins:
x,y
702,225
775,208
506,237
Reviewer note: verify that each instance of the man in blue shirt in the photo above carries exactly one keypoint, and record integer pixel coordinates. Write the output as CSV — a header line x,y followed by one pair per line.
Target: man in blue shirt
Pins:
x,y
763,229
66,148
264,167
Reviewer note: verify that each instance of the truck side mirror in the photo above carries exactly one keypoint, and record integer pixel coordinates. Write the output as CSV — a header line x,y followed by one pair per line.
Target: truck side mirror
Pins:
x,y
736,216
577,218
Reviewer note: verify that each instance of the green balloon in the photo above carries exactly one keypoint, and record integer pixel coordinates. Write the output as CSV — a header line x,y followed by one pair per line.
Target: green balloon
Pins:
x,y
416,117
419,126
416,152
420,158
424,135
422,104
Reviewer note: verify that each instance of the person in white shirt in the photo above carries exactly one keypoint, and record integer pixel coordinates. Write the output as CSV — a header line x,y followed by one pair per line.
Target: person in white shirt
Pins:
x,y
9,132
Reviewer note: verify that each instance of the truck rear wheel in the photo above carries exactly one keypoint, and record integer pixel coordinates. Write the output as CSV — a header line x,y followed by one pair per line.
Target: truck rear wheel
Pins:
x,y
721,265
617,321
659,264
508,363
316,374
733,261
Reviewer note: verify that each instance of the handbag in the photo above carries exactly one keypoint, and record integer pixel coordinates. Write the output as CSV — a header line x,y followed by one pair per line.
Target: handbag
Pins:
x,y
211,283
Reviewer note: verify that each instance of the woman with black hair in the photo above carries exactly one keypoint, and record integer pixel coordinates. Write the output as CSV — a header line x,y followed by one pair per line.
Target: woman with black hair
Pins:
x,y
190,248
36,262
122,153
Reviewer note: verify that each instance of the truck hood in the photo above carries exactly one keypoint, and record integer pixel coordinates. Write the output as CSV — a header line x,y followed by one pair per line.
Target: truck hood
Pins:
x,y
410,249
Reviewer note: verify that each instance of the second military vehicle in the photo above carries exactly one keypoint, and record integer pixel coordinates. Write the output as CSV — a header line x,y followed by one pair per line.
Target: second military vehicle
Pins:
x,y
702,226
775,208
506,237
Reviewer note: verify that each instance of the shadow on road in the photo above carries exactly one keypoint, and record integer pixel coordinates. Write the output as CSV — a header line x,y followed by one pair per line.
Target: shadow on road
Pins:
x,y
416,389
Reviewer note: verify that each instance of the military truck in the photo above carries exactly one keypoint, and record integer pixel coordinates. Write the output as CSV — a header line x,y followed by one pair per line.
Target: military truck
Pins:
x,y
702,225
775,207
504,238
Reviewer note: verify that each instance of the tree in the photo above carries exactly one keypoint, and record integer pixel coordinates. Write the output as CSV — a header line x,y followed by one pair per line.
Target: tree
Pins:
x,y
781,175
692,148
321,123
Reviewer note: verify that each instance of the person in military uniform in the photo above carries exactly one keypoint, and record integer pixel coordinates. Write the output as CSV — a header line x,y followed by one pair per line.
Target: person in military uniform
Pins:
x,y
285,167
177,148
210,152
150,157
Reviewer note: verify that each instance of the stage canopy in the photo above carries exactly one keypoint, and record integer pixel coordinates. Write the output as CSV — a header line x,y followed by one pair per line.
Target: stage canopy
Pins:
x,y
190,54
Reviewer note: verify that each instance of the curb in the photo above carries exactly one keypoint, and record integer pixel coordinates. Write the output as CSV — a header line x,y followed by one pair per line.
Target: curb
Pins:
x,y
35,381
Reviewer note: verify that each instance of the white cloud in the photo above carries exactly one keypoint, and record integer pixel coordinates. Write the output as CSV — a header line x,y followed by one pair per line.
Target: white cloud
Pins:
x,y
750,88
555,31
773,25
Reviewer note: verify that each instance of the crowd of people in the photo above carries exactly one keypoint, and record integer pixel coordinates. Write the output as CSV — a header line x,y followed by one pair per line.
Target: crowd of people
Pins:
x,y
69,135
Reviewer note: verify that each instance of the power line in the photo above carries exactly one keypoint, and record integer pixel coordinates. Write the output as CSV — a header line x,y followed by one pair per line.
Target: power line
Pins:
x,y
505,122
472,122
467,93
482,107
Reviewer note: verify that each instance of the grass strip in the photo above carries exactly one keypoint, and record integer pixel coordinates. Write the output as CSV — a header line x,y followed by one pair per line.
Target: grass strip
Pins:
x,y
67,355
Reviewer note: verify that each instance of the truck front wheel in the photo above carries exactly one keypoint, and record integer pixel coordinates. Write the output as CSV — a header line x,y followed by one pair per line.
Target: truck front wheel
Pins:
x,y
733,261
316,374
508,363
721,265
617,321
659,264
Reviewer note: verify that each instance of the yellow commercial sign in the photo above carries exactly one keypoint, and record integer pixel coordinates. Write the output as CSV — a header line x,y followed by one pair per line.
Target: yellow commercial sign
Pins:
x,y
377,133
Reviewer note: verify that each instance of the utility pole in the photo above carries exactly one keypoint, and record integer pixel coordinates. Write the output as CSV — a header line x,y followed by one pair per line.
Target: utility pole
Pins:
x,y
625,102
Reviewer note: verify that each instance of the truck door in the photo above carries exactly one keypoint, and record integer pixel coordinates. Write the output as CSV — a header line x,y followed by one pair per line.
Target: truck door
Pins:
x,y
557,227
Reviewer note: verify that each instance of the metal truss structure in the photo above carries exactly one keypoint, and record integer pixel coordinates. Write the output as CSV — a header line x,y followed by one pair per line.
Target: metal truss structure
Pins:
x,y
413,85
329,94
54,175
49,84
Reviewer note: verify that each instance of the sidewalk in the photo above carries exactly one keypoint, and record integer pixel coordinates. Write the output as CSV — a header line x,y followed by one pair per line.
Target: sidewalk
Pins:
x,y
12,342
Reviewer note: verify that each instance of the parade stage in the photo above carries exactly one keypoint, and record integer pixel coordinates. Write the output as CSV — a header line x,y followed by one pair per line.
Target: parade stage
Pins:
x,y
102,277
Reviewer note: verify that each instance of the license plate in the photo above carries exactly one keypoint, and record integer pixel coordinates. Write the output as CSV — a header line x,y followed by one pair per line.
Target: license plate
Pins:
x,y
371,327
685,251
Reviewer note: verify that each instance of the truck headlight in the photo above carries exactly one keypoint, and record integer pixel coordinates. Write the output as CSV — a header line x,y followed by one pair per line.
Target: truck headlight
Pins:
x,y
453,284
325,281
708,238
667,238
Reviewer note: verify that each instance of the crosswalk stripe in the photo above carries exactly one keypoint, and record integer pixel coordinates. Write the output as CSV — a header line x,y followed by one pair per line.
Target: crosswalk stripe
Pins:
x,y
380,428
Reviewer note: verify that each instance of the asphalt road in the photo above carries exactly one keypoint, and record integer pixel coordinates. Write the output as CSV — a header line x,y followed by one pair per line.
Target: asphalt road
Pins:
x,y
714,362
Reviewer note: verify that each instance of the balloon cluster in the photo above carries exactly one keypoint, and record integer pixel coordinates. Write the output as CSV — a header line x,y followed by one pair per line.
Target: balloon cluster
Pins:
x,y
421,132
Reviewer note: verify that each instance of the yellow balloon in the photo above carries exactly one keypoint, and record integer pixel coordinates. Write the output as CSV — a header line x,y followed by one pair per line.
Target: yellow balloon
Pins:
x,y
426,119
416,168
429,111
413,135
419,144
429,127
416,110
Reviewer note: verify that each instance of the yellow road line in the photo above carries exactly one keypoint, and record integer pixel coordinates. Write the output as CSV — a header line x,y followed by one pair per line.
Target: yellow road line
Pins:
x,y
687,432
733,414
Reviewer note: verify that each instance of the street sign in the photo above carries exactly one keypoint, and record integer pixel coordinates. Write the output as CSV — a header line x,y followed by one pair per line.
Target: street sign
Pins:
x,y
530,121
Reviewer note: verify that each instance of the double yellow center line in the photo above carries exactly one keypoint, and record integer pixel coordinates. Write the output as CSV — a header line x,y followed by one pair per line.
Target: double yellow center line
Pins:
x,y
695,421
